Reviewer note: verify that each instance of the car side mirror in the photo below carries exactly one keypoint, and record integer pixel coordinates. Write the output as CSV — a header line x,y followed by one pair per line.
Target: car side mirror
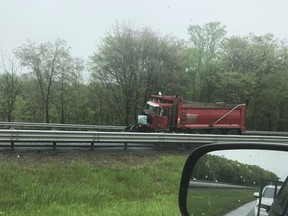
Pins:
x,y
256,194
219,178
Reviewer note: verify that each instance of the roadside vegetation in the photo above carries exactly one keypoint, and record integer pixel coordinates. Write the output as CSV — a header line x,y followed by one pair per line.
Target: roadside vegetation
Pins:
x,y
93,183
109,184
219,169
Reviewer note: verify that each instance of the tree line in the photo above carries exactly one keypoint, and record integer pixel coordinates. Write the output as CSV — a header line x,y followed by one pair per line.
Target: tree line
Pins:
x,y
220,169
44,83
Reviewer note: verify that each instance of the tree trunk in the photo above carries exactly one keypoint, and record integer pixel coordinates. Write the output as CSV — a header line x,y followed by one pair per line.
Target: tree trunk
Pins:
x,y
47,112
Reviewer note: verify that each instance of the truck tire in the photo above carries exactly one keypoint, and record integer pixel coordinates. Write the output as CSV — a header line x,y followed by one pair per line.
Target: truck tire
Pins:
x,y
197,132
233,132
216,131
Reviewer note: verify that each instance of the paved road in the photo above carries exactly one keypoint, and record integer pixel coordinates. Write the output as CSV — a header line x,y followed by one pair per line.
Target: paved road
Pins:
x,y
245,210
206,184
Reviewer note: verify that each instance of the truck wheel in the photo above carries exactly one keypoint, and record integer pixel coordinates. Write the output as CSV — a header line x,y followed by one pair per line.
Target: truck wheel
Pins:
x,y
233,132
216,131
197,132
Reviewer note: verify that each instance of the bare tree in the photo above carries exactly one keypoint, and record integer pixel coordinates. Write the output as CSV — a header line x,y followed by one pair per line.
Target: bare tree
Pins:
x,y
67,85
46,62
132,64
203,58
9,84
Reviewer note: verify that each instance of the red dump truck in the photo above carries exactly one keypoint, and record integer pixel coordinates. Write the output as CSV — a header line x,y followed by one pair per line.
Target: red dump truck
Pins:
x,y
172,114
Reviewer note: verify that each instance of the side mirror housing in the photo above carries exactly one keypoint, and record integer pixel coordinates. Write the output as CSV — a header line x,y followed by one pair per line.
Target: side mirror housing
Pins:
x,y
199,167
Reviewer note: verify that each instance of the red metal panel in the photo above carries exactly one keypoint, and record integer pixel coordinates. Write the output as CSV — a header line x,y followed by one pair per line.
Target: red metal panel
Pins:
x,y
197,117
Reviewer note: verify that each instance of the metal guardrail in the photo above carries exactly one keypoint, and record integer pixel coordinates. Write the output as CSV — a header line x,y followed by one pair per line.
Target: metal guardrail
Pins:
x,y
48,138
29,125
268,133
204,184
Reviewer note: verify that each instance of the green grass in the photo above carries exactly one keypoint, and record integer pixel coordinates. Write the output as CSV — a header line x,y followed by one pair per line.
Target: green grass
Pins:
x,y
214,202
90,184
117,185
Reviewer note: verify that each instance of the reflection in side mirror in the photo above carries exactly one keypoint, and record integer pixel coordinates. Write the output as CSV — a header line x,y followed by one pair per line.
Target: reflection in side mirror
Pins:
x,y
235,182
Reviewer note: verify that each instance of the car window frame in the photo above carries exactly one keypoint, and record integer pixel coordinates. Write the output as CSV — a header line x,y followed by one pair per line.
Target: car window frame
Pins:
x,y
280,206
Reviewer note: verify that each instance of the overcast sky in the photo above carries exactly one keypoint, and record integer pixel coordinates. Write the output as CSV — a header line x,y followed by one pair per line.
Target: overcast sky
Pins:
x,y
82,23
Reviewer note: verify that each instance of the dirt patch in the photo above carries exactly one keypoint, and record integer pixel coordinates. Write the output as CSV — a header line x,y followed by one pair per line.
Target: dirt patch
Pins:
x,y
96,158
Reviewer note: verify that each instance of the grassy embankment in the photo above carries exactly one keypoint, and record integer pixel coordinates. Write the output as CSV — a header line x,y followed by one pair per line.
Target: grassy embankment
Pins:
x,y
89,184
215,202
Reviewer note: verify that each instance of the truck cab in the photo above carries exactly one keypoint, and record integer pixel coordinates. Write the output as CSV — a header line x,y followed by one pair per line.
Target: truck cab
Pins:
x,y
154,116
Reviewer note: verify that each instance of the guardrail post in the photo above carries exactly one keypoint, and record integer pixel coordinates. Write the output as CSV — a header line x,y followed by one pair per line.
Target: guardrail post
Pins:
x,y
125,146
54,146
92,146
155,146
183,147
12,146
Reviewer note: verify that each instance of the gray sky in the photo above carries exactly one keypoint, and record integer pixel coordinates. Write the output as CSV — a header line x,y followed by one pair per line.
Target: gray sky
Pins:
x,y
82,23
